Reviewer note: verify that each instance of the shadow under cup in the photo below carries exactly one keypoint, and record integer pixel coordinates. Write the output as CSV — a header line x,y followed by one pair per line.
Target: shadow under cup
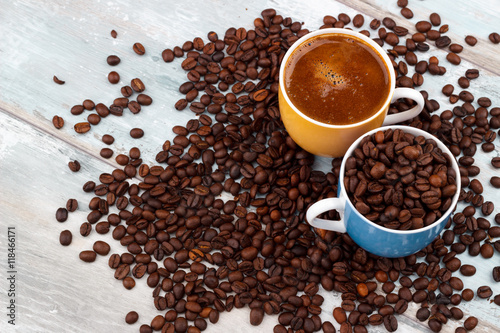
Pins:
x,y
371,236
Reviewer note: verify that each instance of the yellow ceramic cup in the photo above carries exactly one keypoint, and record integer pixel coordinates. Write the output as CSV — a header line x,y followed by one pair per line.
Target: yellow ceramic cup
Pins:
x,y
334,140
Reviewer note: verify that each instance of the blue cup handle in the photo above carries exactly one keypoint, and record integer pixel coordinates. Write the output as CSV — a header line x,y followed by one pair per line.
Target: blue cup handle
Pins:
x,y
325,205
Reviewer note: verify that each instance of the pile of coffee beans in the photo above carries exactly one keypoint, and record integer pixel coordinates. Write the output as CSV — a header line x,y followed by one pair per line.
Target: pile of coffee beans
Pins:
x,y
399,180
203,256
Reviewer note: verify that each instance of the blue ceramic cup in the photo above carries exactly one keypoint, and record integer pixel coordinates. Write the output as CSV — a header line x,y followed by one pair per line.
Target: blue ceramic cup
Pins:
x,y
373,237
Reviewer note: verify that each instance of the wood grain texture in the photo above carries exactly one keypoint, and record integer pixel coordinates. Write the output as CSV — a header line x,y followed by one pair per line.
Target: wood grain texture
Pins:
x,y
56,291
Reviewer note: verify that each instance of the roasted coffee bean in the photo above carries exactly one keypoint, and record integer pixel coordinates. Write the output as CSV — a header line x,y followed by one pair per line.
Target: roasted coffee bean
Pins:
x,y
463,82
77,110
423,26
496,273
145,329
102,110
136,133
358,21
74,166
423,314
345,327
88,105
435,325
495,181
470,40
468,270
327,327
467,294
131,317
470,323
137,85
390,323
71,205
256,316
113,60
402,3
56,80
128,283
58,122
82,127
494,37
448,90
487,208
443,42
61,214
484,292
168,55
65,237
476,186
375,24
456,48
339,315
407,13
495,162
106,152
453,58
85,229
113,77
435,19
94,119
101,248
144,99
139,49
87,256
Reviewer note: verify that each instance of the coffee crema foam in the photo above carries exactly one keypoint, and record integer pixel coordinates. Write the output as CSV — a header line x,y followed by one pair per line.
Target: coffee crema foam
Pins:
x,y
337,79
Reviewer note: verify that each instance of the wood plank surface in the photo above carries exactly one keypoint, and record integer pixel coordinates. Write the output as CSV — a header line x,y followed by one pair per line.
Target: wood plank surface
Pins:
x,y
56,292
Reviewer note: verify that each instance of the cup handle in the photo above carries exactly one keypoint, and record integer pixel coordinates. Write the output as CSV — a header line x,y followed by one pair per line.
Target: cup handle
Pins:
x,y
323,206
391,119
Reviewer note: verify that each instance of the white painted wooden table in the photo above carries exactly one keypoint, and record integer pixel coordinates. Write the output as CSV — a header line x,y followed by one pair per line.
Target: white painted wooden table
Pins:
x,y
54,290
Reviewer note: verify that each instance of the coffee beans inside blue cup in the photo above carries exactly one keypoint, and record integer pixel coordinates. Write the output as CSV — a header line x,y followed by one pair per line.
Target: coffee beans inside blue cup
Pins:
x,y
398,187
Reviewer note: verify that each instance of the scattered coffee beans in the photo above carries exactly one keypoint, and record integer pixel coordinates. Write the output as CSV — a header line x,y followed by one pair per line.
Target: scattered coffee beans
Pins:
x,y
212,255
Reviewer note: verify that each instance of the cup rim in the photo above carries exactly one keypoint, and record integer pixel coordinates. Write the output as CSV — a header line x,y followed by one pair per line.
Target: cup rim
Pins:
x,y
341,31
414,131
